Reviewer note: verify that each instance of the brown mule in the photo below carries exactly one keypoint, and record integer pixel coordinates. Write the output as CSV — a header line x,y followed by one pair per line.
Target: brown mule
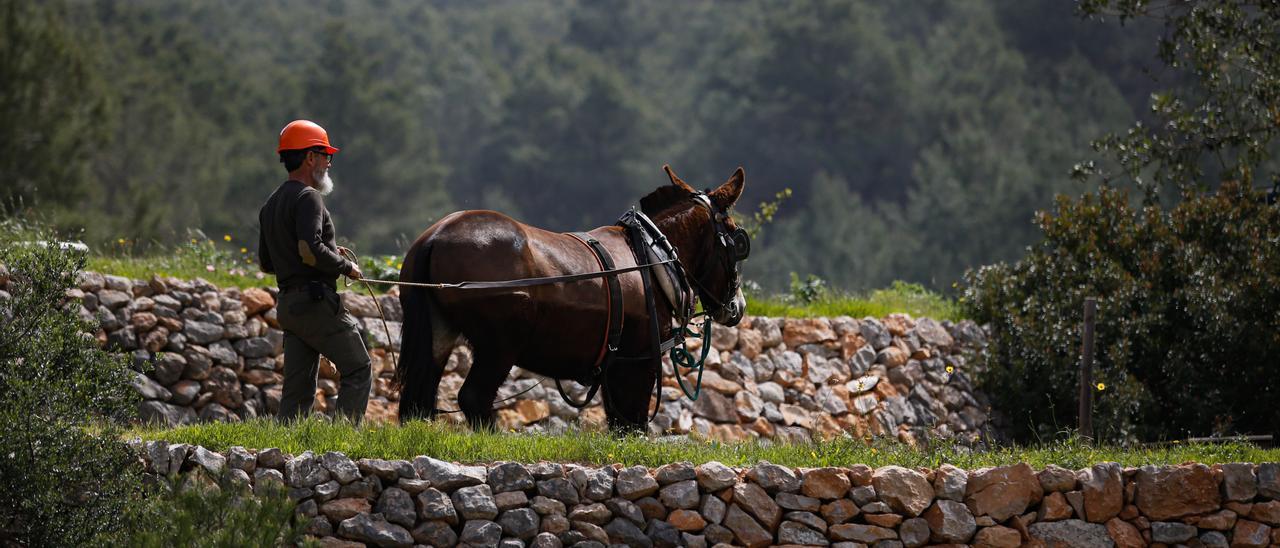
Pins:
x,y
556,330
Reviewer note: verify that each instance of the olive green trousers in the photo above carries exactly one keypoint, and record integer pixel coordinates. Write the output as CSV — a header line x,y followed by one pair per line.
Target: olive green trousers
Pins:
x,y
316,328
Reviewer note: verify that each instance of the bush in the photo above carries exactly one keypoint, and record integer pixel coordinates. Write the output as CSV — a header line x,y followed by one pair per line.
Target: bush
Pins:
x,y
59,395
194,511
1188,323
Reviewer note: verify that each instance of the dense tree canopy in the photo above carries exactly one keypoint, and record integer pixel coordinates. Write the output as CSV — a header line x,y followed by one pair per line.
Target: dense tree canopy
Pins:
x,y
918,138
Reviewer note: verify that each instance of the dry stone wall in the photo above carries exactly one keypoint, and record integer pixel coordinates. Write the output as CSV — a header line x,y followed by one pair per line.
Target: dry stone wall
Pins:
x,y
427,501
216,355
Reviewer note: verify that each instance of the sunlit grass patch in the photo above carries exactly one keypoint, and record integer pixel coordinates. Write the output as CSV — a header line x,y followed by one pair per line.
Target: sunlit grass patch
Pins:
x,y
901,297
453,443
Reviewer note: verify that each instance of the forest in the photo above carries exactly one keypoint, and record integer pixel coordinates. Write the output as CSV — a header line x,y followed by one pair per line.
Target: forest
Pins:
x,y
918,139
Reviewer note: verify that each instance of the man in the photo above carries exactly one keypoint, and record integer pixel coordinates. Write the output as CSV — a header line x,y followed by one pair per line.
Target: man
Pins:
x,y
296,244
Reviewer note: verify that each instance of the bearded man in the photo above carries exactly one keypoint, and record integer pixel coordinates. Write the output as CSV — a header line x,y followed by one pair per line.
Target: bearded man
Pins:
x,y
296,244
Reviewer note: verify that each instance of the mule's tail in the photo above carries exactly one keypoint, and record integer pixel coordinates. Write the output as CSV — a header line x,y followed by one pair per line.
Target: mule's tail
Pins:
x,y
417,369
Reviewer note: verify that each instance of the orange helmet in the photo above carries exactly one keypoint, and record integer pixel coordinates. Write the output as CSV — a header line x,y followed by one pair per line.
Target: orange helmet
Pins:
x,y
302,134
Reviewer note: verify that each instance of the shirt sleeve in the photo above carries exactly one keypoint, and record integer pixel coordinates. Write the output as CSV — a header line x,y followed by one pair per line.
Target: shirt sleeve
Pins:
x,y
264,254
309,219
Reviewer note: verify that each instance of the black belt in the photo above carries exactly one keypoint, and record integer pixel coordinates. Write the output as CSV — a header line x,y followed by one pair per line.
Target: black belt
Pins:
x,y
304,286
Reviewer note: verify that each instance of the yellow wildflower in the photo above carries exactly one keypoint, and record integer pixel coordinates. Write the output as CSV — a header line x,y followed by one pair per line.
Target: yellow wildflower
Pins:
x,y
950,370
399,266
1102,386
226,237
244,250
120,241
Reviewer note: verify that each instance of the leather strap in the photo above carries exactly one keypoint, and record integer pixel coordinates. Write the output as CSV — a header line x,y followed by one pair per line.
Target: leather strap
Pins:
x,y
613,326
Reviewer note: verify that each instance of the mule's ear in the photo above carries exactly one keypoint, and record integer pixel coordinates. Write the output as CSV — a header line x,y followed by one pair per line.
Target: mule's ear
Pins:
x,y
729,192
675,179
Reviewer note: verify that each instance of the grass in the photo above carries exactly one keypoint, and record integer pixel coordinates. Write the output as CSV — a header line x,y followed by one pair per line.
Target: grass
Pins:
x,y
911,299
453,443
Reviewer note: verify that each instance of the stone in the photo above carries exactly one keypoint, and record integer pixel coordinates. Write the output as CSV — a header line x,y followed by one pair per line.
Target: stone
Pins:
x,y
212,462
1002,492
1103,492
635,482
546,540
839,511
949,482
686,520
438,533
625,532
997,537
682,494
510,476
397,506
713,476
545,506
914,532
1268,474
792,501
369,529
271,458
305,470
386,470
256,300
863,495
663,534
856,532
434,504
1214,539
773,478
522,523
1124,534
327,491
591,531
561,489
950,522
591,513
1250,534
1222,520
624,508
510,500
202,332
754,500
932,334
368,487
479,532
715,407
1056,478
745,529
1071,533
791,532
1169,532
1054,507
675,472
169,367
555,524
158,412
1266,512
825,483
1239,483
447,476
338,510
340,467
241,459
888,521
906,491
475,502
1169,492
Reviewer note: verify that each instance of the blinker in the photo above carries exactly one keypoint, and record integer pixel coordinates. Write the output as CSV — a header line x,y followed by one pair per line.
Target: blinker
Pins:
x,y
738,244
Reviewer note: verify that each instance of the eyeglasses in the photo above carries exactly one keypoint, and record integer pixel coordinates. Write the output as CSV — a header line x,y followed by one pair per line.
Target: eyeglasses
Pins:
x,y
321,152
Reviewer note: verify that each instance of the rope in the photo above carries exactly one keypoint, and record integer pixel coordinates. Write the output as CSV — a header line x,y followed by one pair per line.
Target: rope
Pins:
x,y
680,356
351,255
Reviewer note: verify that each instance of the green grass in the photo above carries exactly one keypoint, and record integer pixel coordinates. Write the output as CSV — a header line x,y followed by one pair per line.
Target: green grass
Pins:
x,y
901,297
453,443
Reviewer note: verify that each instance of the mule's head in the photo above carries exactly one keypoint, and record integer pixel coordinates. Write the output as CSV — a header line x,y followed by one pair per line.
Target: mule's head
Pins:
x,y
717,276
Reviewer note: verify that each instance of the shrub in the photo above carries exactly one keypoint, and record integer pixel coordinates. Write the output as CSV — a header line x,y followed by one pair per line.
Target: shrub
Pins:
x,y
1188,323
193,511
59,393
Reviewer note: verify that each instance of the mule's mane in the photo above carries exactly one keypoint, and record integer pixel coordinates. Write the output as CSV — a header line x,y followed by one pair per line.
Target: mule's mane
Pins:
x,y
662,199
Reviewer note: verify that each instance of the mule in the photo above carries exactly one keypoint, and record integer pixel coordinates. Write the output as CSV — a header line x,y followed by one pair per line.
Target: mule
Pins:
x,y
556,330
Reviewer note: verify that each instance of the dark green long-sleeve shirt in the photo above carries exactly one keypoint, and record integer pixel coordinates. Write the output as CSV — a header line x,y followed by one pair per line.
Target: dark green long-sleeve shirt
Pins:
x,y
296,238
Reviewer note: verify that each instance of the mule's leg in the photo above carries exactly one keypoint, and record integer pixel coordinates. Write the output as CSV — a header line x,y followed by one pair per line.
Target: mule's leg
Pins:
x,y
491,365
421,377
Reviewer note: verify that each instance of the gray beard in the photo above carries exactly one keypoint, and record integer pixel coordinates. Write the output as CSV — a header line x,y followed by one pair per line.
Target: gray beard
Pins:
x,y
324,183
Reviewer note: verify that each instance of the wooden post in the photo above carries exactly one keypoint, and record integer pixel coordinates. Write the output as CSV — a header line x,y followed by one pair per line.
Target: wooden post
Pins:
x,y
1086,370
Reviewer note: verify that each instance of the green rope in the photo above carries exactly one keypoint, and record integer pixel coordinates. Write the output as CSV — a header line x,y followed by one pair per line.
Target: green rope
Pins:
x,y
680,357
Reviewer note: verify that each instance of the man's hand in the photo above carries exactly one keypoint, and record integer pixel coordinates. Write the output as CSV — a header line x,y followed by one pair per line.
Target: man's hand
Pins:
x,y
345,252
355,273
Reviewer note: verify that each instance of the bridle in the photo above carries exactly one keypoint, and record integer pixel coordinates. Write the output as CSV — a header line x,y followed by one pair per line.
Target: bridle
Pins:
x,y
736,246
